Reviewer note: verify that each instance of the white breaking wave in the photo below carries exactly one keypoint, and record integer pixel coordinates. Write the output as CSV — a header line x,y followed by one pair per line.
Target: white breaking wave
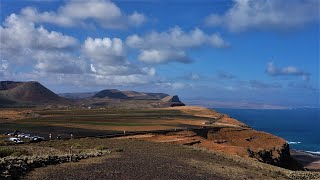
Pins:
x,y
314,152
293,142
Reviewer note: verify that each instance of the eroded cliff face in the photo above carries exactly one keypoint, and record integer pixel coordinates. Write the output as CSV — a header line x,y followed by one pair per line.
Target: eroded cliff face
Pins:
x,y
227,135
250,143
243,142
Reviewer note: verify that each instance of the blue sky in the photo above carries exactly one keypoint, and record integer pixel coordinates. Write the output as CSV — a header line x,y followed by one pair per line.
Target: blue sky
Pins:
x,y
214,53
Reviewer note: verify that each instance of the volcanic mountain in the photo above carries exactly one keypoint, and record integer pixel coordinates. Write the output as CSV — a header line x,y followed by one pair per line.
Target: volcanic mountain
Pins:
x,y
26,92
111,93
33,93
156,99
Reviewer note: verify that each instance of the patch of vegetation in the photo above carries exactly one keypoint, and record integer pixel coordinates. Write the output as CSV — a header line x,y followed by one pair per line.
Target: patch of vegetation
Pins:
x,y
101,147
76,146
13,168
105,117
12,152
5,152
18,126
106,111
118,150
114,124
76,121
88,121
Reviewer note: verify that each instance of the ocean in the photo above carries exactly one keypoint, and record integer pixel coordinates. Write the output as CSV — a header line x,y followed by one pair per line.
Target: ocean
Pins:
x,y
300,127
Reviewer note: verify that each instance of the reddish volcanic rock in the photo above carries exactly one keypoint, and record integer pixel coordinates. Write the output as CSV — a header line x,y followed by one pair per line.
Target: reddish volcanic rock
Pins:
x,y
262,146
228,135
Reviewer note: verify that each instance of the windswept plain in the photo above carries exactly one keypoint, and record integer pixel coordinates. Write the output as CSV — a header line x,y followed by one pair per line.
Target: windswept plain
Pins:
x,y
192,142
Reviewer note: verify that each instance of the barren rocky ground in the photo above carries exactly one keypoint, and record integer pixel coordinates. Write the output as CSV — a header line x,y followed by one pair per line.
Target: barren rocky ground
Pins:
x,y
134,159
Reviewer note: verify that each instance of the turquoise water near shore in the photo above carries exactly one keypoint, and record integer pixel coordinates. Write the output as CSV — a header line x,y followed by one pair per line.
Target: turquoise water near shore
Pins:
x,y
300,127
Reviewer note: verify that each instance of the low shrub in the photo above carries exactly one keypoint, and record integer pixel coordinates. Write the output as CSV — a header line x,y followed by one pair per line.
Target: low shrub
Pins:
x,y
20,152
118,150
2,143
5,152
14,167
76,146
12,152
101,147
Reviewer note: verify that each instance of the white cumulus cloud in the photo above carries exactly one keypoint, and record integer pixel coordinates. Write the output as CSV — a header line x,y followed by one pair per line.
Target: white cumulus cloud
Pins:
x,y
171,45
176,38
273,70
77,12
108,57
45,55
60,62
163,56
266,14
22,42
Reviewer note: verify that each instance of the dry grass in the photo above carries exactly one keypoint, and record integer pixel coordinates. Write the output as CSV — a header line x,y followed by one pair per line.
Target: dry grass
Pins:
x,y
6,151
14,114
222,119
196,111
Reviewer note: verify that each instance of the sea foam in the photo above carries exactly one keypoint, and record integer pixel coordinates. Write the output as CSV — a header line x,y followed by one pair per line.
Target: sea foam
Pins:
x,y
314,152
293,142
